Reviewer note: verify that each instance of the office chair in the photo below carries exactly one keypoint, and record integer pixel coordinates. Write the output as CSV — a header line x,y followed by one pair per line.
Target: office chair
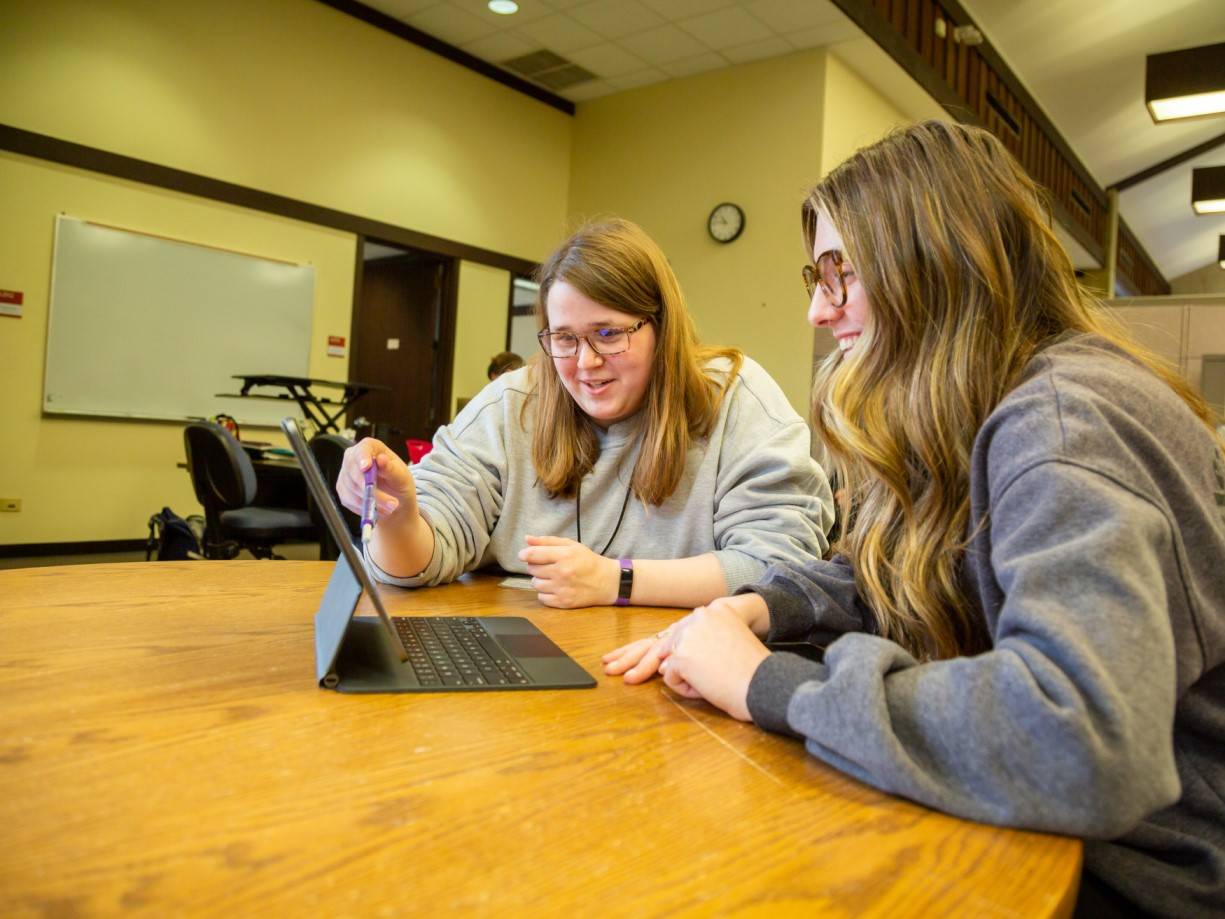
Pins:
x,y
329,451
224,480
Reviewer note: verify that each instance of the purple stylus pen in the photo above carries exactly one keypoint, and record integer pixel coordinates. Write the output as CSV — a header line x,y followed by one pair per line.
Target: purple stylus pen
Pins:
x,y
368,507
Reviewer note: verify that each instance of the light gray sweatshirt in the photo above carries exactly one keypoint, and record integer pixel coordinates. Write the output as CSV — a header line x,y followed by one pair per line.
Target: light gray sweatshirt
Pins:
x,y
750,493
1099,569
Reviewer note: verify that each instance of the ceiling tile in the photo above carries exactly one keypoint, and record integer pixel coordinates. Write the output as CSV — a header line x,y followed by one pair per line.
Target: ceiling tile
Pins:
x,y
451,24
529,10
641,78
608,60
725,28
683,9
757,50
501,46
710,60
592,89
559,33
662,45
785,16
824,35
614,18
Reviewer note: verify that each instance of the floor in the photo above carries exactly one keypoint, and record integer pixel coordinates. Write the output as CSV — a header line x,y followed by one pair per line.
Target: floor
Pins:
x,y
304,551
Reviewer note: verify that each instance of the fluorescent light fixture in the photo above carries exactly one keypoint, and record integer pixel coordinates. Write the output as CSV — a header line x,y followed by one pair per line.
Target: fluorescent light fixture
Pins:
x,y
1208,190
504,7
1185,84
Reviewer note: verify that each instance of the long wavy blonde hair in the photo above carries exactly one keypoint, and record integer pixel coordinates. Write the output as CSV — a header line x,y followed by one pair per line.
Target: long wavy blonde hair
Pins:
x,y
966,283
614,262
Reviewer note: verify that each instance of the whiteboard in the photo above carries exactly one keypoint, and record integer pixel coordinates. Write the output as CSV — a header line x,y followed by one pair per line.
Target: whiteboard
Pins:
x,y
141,326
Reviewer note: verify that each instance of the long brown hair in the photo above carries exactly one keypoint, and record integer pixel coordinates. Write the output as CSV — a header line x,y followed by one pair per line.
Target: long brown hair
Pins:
x,y
617,264
966,284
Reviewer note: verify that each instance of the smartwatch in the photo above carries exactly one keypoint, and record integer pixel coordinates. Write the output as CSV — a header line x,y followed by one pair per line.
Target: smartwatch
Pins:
x,y
627,582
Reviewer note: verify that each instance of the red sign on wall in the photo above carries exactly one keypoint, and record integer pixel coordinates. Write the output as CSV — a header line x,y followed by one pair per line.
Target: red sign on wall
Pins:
x,y
10,303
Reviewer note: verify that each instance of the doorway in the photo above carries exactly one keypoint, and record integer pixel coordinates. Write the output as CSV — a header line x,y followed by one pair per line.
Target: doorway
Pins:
x,y
403,338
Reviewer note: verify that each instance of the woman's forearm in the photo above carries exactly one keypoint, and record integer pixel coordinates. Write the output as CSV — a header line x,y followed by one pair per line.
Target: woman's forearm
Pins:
x,y
402,549
683,582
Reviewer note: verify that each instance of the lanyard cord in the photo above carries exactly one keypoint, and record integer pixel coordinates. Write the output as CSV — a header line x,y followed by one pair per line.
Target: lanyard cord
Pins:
x,y
578,516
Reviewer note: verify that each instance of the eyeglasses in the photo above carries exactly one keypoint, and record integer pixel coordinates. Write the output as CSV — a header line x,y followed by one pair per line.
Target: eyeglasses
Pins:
x,y
601,341
827,274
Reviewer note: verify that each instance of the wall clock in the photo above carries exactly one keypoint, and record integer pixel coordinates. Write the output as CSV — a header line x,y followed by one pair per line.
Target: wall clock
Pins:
x,y
726,222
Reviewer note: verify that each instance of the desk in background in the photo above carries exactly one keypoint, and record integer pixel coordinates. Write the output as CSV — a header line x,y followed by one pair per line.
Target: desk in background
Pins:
x,y
324,414
163,746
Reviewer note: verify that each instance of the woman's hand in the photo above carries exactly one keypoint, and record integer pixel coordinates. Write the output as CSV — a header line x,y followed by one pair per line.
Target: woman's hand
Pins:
x,y
395,491
566,574
403,541
711,654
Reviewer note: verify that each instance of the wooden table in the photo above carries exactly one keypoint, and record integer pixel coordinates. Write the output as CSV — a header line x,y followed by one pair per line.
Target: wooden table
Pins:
x,y
164,749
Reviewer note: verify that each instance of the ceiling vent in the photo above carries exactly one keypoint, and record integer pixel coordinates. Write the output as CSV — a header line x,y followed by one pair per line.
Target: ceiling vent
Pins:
x,y
549,69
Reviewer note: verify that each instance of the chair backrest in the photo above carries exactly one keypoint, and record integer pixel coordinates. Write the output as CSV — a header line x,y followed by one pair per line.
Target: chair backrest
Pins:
x,y
221,473
329,451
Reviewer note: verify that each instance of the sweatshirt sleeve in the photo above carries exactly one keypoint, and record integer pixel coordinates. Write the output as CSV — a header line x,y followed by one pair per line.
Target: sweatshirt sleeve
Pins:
x,y
459,491
1066,724
772,501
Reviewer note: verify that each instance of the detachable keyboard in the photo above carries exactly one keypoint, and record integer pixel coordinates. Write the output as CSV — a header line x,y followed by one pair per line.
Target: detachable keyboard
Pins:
x,y
455,651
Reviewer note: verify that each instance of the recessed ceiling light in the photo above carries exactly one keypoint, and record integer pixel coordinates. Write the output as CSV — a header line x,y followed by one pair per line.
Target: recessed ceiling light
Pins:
x,y
503,7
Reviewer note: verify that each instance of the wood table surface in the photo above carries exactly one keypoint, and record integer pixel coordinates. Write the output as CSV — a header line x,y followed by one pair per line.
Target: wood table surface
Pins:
x,y
164,749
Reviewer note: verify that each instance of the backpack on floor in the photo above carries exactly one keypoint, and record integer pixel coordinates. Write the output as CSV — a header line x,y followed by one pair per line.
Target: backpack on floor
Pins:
x,y
174,539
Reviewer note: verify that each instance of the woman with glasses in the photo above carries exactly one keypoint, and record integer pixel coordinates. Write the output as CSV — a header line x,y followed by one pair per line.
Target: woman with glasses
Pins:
x,y
1024,620
626,464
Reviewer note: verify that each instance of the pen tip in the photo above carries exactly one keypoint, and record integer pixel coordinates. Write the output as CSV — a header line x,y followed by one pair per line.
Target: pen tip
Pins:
x,y
367,531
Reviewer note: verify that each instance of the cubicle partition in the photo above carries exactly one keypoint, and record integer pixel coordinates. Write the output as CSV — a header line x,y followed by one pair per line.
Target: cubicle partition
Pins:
x,y
1188,330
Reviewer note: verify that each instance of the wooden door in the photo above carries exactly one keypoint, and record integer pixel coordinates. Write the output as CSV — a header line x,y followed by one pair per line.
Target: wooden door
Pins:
x,y
403,336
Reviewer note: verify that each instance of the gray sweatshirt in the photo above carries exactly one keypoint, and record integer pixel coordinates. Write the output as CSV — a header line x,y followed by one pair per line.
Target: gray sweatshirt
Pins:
x,y
750,493
1100,571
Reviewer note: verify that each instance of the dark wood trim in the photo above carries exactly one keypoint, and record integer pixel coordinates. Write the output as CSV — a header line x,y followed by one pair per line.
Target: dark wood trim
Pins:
x,y
992,57
359,270
1093,246
1170,163
510,312
41,146
867,16
444,359
450,52
90,547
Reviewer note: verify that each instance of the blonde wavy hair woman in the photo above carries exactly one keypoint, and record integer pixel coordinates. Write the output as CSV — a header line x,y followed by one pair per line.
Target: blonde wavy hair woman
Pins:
x,y
946,343
625,464
1024,622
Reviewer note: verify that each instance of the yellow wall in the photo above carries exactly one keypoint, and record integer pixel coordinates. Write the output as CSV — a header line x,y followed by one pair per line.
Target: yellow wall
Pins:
x,y
759,135
665,155
854,114
293,97
286,96
480,330
101,479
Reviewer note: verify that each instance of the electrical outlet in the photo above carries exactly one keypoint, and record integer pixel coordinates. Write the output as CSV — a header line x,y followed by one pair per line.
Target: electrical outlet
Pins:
x,y
10,504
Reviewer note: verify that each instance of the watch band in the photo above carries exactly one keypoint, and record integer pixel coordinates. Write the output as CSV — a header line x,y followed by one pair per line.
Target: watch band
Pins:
x,y
627,582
